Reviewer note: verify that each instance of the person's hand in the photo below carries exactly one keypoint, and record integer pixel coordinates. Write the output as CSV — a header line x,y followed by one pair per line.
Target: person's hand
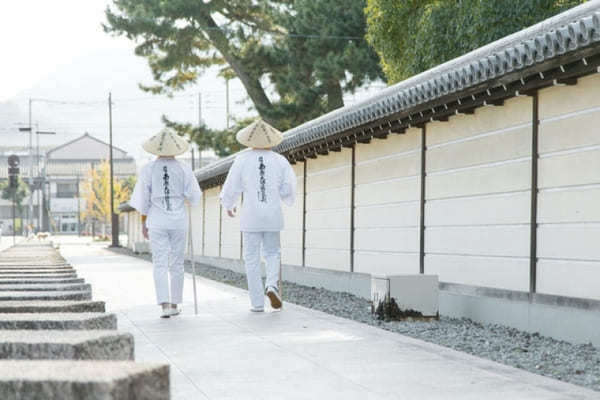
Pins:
x,y
145,232
232,212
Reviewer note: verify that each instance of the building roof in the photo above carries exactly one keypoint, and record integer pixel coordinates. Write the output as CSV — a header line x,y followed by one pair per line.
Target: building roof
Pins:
x,y
556,50
92,148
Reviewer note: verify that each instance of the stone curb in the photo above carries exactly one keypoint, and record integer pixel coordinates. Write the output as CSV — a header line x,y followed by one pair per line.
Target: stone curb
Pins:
x,y
46,287
19,274
77,295
36,271
66,345
51,306
33,281
89,380
64,321
18,267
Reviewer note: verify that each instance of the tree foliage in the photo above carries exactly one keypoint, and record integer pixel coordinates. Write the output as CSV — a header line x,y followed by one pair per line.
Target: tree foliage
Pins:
x,y
295,58
222,142
96,191
412,36
21,192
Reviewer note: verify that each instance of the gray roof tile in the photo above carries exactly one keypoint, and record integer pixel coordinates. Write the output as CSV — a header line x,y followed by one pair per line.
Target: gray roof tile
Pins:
x,y
570,31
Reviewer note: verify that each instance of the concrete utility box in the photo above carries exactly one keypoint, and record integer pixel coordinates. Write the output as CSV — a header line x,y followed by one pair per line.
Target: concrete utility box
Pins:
x,y
414,295
141,247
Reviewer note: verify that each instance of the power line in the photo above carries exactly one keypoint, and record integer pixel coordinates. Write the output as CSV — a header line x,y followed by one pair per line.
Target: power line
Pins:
x,y
292,35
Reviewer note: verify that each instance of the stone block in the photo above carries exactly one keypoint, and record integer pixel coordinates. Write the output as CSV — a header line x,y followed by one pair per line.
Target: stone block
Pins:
x,y
37,280
66,345
51,306
405,295
23,267
71,295
83,380
17,276
4,272
64,321
46,287
30,264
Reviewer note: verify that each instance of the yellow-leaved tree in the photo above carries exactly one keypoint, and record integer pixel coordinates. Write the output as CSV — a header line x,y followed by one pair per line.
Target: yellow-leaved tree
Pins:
x,y
96,192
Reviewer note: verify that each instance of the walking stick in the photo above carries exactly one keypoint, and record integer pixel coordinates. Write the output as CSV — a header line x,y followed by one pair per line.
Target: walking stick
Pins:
x,y
191,244
280,283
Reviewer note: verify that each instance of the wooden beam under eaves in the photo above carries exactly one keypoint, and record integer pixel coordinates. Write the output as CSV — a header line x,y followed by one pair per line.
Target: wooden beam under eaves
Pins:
x,y
567,81
323,152
364,140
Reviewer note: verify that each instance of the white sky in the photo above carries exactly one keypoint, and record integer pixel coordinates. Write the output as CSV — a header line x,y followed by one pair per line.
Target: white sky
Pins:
x,y
42,37
38,36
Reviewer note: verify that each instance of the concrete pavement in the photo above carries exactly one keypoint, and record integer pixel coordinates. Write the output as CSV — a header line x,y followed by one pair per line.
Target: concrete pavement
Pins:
x,y
226,352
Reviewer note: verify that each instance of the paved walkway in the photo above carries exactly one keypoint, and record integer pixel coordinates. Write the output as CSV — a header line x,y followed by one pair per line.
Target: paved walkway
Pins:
x,y
226,352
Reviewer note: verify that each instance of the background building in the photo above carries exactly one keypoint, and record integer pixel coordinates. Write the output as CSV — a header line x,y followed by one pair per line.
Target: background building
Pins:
x,y
67,167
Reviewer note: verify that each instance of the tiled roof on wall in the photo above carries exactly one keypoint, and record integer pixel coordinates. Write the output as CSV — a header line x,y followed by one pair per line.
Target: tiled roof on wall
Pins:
x,y
575,32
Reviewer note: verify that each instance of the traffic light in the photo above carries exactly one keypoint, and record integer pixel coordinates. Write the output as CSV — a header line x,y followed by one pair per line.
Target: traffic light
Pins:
x,y
13,171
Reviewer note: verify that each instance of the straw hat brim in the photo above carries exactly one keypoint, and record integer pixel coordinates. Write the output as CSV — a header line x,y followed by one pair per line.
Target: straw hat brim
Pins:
x,y
259,135
166,143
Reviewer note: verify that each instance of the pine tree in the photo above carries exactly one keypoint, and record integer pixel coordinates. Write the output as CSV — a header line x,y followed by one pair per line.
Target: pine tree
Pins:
x,y
299,47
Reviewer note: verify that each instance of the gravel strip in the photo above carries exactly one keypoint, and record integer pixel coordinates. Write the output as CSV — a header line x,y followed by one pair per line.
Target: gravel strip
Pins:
x,y
576,364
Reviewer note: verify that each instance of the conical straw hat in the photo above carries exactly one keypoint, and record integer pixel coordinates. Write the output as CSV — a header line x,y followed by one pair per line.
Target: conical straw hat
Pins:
x,y
166,143
259,135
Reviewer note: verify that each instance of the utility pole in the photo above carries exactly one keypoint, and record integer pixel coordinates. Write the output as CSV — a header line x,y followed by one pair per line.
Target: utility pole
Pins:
x,y
199,128
41,177
192,147
227,101
78,209
30,216
114,218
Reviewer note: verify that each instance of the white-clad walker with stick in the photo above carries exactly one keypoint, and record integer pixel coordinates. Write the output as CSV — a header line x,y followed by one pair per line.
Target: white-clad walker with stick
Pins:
x,y
162,189
266,179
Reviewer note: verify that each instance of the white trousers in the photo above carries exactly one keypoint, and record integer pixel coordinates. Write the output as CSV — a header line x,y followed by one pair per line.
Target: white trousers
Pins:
x,y
252,256
168,247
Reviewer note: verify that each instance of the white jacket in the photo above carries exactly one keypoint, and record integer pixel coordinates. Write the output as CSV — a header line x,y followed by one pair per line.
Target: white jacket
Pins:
x,y
265,178
160,191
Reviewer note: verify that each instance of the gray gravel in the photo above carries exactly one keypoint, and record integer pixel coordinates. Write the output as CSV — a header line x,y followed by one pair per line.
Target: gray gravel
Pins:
x,y
577,364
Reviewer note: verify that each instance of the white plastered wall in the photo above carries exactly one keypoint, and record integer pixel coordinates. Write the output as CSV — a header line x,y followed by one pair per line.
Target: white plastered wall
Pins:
x,y
196,228
569,190
328,193
211,224
387,176
291,236
477,206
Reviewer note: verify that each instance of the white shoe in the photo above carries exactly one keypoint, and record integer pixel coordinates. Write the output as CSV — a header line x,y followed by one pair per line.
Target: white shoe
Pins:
x,y
166,310
257,309
175,310
273,295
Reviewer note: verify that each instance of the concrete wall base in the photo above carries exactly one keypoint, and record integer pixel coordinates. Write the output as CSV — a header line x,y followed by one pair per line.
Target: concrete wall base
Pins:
x,y
358,284
571,319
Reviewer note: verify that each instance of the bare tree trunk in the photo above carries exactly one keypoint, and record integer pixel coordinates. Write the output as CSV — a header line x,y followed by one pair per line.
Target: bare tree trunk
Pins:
x,y
335,96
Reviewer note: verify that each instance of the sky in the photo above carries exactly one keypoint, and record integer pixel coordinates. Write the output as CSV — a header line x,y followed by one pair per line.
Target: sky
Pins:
x,y
38,36
57,50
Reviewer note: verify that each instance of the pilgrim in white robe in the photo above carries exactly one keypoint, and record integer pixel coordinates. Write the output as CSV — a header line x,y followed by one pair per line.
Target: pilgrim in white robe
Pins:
x,y
160,193
266,179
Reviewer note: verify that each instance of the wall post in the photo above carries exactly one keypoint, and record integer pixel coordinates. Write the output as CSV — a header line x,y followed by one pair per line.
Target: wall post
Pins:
x,y
534,196
422,203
